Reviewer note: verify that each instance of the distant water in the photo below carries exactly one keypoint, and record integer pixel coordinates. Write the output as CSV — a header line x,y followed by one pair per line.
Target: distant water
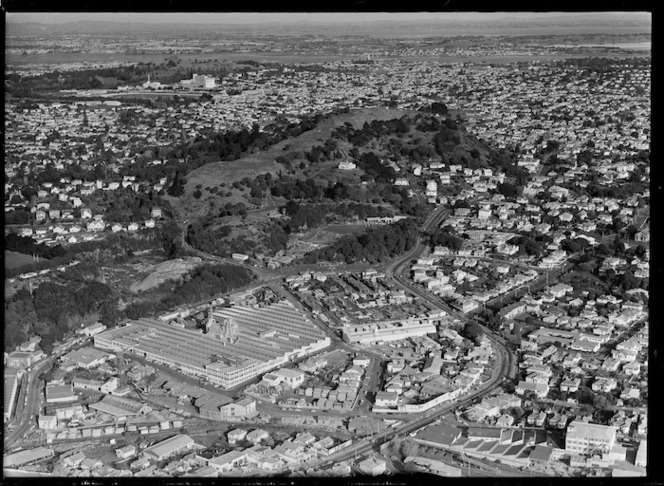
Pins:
x,y
637,46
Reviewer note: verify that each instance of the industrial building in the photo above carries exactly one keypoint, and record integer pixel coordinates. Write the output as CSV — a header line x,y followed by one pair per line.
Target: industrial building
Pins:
x,y
240,343
583,437
11,389
388,331
169,447
23,458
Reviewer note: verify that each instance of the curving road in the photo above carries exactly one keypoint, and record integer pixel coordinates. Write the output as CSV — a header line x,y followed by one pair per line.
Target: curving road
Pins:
x,y
504,366
26,413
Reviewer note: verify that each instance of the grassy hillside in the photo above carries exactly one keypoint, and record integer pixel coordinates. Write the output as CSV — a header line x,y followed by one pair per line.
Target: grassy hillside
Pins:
x,y
226,172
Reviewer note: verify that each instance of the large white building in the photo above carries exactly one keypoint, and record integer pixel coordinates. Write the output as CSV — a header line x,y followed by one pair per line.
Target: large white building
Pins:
x,y
11,389
586,438
388,331
170,447
199,81
242,342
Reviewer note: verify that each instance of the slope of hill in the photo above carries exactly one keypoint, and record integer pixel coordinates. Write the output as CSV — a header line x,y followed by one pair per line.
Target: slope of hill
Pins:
x,y
226,172
168,270
310,189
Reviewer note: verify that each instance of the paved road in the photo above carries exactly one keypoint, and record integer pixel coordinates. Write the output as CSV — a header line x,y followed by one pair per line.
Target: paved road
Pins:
x,y
365,445
27,411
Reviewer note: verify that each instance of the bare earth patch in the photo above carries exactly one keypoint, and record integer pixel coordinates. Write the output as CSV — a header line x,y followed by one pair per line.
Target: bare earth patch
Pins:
x,y
168,270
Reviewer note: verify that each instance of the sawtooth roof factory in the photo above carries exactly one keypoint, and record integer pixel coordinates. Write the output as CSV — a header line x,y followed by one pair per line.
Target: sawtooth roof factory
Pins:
x,y
239,344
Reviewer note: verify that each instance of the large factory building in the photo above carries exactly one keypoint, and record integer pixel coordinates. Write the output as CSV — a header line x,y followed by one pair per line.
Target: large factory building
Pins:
x,y
239,343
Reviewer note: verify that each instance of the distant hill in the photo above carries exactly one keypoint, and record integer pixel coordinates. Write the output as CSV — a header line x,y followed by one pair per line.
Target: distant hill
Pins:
x,y
504,24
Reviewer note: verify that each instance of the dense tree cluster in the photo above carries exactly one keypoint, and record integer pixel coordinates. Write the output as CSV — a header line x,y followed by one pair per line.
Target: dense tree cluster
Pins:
x,y
531,244
472,331
508,190
375,169
53,308
376,245
20,216
438,108
170,239
441,237
371,131
574,245
206,239
616,191
298,189
207,281
314,215
28,246
126,205
233,209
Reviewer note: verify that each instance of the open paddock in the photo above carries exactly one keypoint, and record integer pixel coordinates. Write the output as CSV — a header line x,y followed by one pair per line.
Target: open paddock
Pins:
x,y
15,260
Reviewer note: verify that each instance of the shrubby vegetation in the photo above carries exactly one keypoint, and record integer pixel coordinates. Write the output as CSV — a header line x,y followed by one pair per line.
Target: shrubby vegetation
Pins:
x,y
201,283
442,237
532,243
54,309
374,246
28,246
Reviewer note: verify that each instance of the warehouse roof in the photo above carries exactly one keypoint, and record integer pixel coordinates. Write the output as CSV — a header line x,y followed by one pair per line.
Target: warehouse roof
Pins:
x,y
289,331
26,457
170,446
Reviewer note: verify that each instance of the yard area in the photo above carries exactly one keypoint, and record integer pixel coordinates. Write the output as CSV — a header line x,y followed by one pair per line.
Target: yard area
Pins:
x,y
15,260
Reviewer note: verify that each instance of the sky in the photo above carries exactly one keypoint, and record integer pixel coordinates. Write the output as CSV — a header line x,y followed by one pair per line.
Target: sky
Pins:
x,y
246,17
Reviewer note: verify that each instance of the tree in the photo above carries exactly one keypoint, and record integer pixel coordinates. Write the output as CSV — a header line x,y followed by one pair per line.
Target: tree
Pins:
x,y
439,108
170,235
472,331
177,187
585,395
600,402
508,190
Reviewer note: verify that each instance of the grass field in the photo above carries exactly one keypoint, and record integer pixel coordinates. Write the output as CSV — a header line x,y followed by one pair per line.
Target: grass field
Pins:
x,y
346,229
16,260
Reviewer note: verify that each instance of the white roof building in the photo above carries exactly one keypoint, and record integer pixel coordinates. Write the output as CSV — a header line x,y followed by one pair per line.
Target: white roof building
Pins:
x,y
170,447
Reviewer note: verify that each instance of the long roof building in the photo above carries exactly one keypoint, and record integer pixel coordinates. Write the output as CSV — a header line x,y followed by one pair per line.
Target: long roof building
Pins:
x,y
264,338
11,389
379,332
